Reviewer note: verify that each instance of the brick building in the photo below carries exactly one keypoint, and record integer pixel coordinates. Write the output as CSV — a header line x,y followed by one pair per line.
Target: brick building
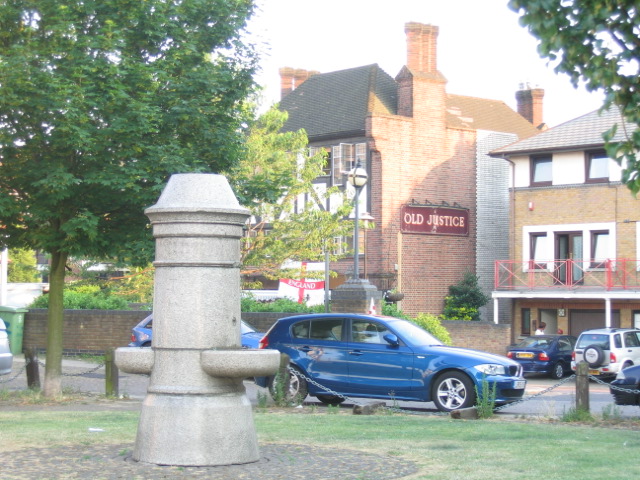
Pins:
x,y
438,201
575,237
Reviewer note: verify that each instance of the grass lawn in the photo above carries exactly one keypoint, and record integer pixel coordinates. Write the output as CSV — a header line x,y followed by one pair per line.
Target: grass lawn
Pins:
x,y
442,448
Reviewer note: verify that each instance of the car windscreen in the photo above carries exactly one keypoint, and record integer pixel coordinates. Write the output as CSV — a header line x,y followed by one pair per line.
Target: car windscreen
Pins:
x,y
602,340
413,334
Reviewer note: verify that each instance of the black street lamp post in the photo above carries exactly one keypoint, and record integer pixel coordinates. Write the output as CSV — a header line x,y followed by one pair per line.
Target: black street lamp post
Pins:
x,y
358,179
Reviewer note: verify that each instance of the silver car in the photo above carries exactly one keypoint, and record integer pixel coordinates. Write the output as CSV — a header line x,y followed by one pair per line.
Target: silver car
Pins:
x,y
6,358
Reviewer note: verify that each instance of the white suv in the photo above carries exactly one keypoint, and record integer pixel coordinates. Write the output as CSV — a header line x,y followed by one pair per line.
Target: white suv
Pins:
x,y
607,350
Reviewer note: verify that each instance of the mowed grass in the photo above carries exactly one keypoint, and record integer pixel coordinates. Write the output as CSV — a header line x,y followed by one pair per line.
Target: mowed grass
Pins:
x,y
442,448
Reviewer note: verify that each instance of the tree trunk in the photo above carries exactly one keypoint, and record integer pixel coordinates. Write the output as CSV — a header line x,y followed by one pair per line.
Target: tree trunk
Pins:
x,y
53,368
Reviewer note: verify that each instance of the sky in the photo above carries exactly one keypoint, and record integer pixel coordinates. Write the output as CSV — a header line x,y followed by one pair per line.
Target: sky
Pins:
x,y
482,49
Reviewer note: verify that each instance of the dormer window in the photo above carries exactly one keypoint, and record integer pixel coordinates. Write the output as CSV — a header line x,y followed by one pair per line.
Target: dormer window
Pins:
x,y
541,174
597,166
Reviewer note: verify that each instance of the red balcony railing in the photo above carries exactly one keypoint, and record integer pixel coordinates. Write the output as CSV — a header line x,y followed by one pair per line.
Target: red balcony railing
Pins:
x,y
622,273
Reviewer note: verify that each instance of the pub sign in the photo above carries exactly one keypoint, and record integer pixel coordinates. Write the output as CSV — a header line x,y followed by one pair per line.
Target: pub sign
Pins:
x,y
434,220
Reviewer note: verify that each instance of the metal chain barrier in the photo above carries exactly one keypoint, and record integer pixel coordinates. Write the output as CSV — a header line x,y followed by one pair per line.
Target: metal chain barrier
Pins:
x,y
293,371
42,364
614,387
15,376
535,395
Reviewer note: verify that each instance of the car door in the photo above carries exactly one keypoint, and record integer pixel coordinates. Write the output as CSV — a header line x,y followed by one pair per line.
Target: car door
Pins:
x,y
632,346
322,353
376,367
565,349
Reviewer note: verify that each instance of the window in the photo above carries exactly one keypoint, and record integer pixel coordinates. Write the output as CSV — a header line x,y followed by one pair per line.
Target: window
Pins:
x,y
541,170
326,329
525,321
365,331
344,157
597,167
599,248
538,251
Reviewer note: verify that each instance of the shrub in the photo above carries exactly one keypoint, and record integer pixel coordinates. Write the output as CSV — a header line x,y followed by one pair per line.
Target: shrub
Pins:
x,y
250,304
433,325
84,297
430,323
464,299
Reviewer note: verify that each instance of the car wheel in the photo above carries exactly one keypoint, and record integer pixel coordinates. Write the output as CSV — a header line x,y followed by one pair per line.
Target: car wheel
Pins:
x,y
557,370
291,389
452,391
330,399
146,344
594,355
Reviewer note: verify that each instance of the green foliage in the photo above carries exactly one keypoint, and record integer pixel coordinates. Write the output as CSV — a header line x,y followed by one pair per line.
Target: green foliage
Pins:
x,y
100,103
85,297
430,323
577,415
486,399
464,299
22,266
595,43
250,304
276,171
136,286
433,325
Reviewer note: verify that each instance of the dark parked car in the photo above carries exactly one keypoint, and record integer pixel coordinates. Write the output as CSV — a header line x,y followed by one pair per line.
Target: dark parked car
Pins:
x,y
337,355
629,380
6,358
548,354
141,334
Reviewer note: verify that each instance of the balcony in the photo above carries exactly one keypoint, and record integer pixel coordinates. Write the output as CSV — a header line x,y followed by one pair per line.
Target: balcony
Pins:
x,y
538,276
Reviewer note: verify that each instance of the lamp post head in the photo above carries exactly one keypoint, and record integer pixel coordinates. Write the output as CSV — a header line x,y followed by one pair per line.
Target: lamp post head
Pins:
x,y
358,177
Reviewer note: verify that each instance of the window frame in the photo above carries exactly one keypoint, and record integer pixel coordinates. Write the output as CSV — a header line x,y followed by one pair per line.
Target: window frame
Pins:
x,y
533,263
588,159
593,261
525,321
536,160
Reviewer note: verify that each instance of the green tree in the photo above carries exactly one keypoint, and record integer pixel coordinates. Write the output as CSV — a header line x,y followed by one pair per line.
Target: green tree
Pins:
x,y
276,171
22,266
464,299
100,102
598,43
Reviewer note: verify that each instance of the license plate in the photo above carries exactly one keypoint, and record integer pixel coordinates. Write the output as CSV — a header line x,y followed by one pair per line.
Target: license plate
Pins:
x,y
524,355
519,384
594,372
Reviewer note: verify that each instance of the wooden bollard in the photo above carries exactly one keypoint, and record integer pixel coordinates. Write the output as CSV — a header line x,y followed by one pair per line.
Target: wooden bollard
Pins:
x,y
582,386
111,374
32,368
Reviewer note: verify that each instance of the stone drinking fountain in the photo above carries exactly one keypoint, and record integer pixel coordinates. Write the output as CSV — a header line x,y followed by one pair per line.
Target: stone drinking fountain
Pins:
x,y
196,411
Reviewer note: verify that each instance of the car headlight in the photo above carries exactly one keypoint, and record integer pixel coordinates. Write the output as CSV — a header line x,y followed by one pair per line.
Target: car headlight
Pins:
x,y
491,369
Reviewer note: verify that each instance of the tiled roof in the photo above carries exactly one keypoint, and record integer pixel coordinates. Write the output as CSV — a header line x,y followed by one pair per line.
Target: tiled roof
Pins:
x,y
483,114
338,102
577,134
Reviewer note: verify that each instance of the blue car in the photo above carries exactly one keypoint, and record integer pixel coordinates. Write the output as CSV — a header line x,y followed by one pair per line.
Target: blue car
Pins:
x,y
546,354
141,334
626,387
333,356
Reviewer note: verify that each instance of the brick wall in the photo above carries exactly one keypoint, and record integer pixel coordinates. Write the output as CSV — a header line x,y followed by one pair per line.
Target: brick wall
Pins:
x,y
95,331
84,331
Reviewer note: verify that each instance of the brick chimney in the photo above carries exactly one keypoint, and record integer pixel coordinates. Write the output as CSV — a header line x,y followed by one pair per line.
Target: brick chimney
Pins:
x,y
530,104
421,87
290,79
422,47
